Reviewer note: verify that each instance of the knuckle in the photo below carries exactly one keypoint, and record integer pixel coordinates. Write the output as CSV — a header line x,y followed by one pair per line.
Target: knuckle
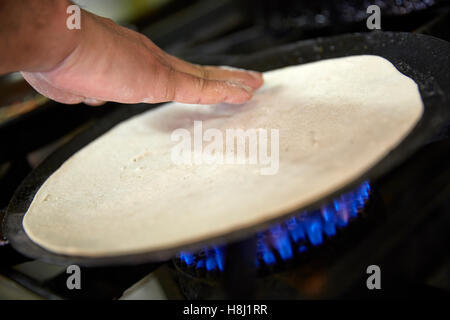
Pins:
x,y
203,72
202,84
170,85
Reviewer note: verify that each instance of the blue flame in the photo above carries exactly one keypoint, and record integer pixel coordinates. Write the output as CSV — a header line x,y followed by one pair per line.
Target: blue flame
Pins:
x,y
282,241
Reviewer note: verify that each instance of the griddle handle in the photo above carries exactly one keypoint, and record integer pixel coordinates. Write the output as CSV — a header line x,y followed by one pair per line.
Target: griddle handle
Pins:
x,y
8,256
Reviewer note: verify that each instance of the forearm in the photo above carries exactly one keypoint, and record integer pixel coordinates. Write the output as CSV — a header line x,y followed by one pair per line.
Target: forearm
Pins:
x,y
34,35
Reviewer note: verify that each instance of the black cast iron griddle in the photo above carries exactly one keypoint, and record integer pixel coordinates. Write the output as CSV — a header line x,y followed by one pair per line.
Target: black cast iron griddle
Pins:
x,y
425,59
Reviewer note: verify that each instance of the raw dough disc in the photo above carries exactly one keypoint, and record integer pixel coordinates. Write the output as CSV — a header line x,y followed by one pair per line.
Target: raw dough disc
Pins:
x,y
123,194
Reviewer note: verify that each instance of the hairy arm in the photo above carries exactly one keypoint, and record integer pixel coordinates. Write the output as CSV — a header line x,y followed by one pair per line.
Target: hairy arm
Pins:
x,y
103,61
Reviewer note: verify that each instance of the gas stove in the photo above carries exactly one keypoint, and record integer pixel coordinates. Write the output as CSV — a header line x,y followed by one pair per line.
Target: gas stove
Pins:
x,y
399,222
285,241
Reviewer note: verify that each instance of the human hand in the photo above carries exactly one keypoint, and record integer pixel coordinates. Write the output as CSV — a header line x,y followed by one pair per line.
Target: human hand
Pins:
x,y
113,63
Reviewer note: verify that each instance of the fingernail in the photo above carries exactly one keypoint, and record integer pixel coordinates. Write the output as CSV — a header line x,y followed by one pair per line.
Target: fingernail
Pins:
x,y
255,74
238,84
239,98
246,88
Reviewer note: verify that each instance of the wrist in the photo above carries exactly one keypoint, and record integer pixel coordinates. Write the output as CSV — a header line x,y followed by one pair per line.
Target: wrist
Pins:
x,y
57,40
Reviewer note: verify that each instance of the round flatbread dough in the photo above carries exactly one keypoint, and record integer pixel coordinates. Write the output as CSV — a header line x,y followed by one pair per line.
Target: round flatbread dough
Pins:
x,y
124,193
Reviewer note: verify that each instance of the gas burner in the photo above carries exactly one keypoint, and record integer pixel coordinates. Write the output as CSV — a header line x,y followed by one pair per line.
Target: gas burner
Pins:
x,y
288,240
